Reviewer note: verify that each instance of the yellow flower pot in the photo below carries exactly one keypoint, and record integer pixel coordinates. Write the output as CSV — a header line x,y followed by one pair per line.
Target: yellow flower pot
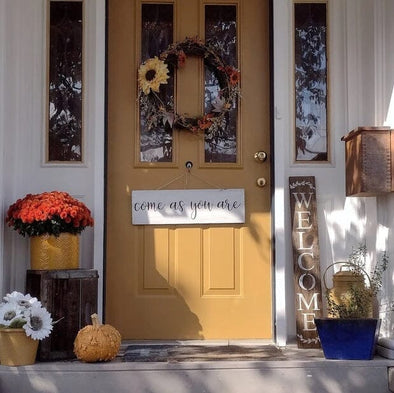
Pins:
x,y
16,349
49,252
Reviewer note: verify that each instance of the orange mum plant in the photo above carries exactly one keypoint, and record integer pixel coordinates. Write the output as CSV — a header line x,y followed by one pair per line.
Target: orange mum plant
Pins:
x,y
48,213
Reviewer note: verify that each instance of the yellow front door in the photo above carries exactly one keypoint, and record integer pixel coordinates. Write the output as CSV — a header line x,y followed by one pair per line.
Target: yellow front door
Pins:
x,y
206,281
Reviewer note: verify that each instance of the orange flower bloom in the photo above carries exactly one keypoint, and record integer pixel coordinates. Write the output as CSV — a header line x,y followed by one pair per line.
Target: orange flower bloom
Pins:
x,y
204,124
234,77
50,212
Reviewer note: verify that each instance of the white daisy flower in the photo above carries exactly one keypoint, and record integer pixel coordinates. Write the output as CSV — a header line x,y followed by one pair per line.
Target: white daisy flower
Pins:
x,y
25,311
12,297
10,314
20,299
39,323
28,301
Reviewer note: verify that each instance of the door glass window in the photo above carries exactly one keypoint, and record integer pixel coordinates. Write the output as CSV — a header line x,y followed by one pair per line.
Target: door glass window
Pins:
x,y
156,34
157,25
64,141
310,77
221,30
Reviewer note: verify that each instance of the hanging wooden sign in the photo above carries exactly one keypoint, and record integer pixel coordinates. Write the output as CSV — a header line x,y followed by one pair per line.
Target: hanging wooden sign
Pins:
x,y
306,259
211,206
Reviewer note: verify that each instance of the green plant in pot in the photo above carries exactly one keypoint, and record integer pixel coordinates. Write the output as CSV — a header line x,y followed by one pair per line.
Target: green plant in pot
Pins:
x,y
350,331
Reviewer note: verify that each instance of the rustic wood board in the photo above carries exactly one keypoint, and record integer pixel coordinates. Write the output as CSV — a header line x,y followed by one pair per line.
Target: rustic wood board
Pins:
x,y
71,297
369,161
306,259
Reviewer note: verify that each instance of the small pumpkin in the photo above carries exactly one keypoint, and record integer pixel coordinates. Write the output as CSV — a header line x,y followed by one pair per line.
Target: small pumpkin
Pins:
x,y
97,342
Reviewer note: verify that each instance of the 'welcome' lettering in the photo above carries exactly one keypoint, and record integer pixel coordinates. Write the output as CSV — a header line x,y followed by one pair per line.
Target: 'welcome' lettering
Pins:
x,y
303,199
306,259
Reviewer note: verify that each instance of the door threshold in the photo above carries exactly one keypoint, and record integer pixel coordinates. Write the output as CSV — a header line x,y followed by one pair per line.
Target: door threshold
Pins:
x,y
214,342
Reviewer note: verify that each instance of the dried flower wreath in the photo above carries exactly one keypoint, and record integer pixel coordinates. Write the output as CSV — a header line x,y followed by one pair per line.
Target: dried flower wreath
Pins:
x,y
154,72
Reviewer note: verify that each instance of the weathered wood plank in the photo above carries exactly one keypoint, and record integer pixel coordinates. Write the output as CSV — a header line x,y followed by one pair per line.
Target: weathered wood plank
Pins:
x,y
71,297
306,259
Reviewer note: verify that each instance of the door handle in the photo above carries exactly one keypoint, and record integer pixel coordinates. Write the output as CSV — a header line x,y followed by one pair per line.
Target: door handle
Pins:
x,y
260,156
261,182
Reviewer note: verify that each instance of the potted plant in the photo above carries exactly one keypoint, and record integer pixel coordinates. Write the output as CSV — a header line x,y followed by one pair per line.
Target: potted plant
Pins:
x,y
23,322
351,329
52,220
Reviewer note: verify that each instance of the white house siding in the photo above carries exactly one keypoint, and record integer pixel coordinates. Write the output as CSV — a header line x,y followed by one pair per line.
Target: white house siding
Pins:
x,y
22,98
2,122
361,54
385,205
360,86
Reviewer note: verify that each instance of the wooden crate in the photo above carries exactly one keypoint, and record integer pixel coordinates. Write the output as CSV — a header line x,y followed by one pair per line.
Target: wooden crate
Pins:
x,y
67,294
369,161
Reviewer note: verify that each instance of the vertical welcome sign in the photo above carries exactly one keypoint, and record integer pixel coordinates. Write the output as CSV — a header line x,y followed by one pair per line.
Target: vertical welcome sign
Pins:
x,y
306,259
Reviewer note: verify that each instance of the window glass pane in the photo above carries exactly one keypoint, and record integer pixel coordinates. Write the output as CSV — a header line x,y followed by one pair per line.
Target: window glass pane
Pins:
x,y
311,81
156,35
221,29
65,81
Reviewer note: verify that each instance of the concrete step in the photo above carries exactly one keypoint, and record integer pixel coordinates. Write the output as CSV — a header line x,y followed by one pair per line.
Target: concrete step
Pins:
x,y
303,371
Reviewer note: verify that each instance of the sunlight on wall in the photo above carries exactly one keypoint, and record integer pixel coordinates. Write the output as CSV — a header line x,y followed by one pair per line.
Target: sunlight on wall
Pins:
x,y
335,222
390,112
346,228
283,280
354,222
383,243
382,235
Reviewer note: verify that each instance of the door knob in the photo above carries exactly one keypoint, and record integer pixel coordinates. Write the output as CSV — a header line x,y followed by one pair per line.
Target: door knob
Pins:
x,y
260,156
261,182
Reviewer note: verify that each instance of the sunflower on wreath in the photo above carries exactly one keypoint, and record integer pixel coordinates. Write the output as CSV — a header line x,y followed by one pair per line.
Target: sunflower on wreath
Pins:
x,y
154,73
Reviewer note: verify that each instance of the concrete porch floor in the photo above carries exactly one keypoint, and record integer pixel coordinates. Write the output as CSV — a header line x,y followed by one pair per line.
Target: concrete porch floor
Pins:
x,y
302,371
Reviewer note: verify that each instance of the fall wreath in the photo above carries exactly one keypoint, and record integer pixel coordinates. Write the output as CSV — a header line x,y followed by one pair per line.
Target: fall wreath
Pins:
x,y
154,73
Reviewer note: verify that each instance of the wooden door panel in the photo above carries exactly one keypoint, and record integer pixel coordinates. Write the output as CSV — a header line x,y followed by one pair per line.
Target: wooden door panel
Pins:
x,y
221,266
155,269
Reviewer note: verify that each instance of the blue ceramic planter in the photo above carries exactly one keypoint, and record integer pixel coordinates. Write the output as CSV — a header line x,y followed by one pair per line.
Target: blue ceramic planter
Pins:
x,y
352,339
